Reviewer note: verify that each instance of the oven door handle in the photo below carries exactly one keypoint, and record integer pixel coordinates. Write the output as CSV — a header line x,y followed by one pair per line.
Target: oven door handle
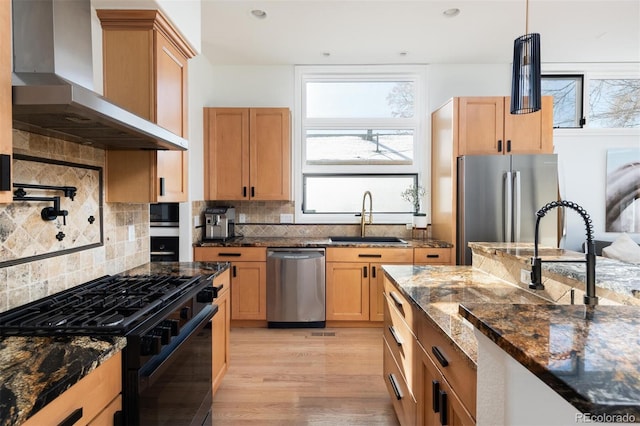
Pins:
x,y
162,253
156,366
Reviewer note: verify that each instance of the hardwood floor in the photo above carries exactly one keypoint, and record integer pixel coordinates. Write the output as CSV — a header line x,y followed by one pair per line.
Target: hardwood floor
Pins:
x,y
304,376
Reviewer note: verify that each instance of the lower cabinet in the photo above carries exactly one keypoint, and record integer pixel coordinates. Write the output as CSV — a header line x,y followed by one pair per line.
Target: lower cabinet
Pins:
x,y
248,278
221,325
94,400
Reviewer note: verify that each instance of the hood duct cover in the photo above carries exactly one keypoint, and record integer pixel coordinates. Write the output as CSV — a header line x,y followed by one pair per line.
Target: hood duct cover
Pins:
x,y
52,81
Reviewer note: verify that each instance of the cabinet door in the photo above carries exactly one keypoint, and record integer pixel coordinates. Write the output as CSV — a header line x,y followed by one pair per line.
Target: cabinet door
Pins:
x,y
249,291
270,147
226,153
481,128
220,329
171,113
347,291
5,96
529,133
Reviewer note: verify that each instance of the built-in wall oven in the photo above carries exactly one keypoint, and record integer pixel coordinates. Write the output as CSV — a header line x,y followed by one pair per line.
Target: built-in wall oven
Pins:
x,y
164,232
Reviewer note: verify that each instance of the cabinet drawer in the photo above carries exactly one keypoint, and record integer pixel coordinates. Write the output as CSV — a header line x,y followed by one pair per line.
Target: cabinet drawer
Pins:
x,y
92,394
106,416
368,254
403,402
399,302
458,369
429,255
230,254
401,342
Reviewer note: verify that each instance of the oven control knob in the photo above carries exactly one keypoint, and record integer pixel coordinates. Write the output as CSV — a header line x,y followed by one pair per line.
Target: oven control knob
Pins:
x,y
173,324
185,313
205,295
150,345
164,333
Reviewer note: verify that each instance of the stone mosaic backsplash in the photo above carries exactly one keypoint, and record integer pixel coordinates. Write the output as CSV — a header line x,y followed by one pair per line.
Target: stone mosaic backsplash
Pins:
x,y
22,283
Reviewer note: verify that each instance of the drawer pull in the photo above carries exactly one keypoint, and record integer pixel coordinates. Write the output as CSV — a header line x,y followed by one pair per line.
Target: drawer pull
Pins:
x,y
370,255
233,271
443,408
364,271
229,254
433,256
439,356
396,299
396,388
435,396
373,272
395,335
72,418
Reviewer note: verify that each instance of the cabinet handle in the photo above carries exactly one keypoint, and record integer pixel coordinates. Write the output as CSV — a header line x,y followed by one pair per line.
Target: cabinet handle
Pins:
x,y
233,270
433,256
443,408
364,271
370,255
5,172
396,299
500,145
118,418
162,187
244,191
439,356
373,272
229,254
435,395
396,388
253,191
395,335
72,418
508,145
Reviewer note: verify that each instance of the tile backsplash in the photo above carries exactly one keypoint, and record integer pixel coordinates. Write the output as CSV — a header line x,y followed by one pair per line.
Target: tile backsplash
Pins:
x,y
26,282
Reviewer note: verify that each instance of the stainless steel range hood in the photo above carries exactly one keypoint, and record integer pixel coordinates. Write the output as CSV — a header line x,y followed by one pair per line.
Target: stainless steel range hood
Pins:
x,y
53,81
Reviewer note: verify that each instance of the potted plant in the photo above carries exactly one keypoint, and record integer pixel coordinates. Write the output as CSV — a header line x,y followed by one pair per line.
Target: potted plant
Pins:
x,y
414,195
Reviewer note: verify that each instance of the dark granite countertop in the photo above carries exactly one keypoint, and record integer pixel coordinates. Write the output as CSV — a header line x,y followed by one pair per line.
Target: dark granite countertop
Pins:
x,y
315,242
437,292
588,355
36,370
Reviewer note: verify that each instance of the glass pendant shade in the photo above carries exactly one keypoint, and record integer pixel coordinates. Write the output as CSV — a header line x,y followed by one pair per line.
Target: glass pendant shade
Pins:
x,y
526,85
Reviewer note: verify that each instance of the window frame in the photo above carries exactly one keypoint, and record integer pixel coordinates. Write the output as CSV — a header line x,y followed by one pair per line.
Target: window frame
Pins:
x,y
304,73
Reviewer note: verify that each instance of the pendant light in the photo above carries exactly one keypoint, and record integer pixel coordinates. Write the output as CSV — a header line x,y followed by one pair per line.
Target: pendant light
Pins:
x,y
526,85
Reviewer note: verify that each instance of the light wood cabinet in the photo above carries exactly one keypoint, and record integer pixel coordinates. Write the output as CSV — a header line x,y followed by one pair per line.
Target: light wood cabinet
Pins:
x,y
145,71
478,126
247,153
248,278
95,398
221,324
354,281
433,256
6,144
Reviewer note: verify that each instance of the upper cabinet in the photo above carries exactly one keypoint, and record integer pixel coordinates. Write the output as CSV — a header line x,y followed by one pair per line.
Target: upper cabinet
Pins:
x,y
485,126
247,154
145,71
6,144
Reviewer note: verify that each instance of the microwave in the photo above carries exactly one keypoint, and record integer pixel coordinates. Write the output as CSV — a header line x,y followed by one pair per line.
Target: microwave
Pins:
x,y
164,214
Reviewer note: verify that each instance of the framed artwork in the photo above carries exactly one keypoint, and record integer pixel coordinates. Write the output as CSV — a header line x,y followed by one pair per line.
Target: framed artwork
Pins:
x,y
623,190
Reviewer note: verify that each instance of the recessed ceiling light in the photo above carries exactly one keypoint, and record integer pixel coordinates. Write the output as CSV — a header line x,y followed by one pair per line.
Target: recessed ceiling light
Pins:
x,y
404,53
326,54
259,13
450,13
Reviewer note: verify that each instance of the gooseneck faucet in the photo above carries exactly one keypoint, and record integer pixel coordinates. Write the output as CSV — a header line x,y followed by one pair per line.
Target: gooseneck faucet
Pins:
x,y
363,222
590,297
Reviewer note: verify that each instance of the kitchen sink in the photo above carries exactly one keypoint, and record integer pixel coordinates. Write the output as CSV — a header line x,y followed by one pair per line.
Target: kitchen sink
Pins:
x,y
368,240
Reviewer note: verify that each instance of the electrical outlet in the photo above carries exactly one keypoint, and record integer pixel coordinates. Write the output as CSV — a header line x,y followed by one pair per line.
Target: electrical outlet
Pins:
x,y
525,276
286,218
242,218
196,221
132,233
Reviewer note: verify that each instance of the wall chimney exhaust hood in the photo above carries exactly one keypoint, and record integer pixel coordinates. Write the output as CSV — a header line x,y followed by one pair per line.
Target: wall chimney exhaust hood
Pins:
x,y
53,80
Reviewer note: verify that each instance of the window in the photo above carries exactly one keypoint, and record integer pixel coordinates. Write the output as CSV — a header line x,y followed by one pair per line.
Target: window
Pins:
x,y
612,103
358,129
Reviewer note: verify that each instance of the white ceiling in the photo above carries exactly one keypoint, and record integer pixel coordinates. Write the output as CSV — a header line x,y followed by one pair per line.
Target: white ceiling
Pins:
x,y
377,31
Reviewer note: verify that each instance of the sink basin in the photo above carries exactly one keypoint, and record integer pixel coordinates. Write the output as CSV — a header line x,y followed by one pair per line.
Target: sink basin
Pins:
x,y
368,240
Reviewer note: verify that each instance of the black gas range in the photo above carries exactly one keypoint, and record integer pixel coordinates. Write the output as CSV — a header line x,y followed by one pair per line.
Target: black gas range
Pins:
x,y
166,322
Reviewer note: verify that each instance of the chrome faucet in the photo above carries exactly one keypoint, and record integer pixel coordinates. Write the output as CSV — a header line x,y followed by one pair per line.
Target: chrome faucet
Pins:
x,y
590,297
363,222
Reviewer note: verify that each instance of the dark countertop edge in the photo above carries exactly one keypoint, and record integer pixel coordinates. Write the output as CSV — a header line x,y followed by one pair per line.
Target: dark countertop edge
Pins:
x,y
558,385
433,322
317,242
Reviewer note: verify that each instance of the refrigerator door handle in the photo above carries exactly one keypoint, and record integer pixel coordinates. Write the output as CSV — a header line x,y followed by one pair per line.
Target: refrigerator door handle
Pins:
x,y
508,204
517,205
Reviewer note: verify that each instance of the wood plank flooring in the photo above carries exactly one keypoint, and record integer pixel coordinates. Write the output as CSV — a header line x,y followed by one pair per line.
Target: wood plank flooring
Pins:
x,y
330,376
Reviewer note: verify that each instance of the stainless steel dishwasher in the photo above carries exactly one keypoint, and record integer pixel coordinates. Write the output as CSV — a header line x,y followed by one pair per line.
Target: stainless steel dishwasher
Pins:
x,y
295,288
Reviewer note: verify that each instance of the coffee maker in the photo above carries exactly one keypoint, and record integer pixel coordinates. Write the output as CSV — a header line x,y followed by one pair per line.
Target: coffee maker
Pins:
x,y
219,223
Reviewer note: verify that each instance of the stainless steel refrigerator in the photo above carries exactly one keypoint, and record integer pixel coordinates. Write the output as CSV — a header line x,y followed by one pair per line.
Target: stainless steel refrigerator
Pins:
x,y
498,197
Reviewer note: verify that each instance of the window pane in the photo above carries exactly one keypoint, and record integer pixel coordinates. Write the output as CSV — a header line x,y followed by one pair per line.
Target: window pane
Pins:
x,y
567,99
360,99
614,103
359,146
343,193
